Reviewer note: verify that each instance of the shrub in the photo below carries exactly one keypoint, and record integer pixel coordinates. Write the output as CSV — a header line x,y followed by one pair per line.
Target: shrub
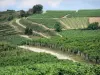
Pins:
x,y
58,27
28,31
93,26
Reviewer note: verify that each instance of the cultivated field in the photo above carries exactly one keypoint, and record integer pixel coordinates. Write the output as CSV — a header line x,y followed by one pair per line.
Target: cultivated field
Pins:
x,y
94,19
75,23
53,14
87,13
47,22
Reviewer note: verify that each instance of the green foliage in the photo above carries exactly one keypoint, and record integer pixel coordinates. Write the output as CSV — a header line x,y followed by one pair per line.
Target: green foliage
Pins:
x,y
8,15
37,9
18,61
85,43
53,14
60,14
13,39
75,42
36,27
47,22
13,56
93,26
97,69
6,30
87,13
28,31
58,27
61,68
6,47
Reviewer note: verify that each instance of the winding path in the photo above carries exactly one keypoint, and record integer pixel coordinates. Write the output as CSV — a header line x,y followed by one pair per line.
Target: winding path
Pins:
x,y
40,25
41,34
45,27
48,51
15,27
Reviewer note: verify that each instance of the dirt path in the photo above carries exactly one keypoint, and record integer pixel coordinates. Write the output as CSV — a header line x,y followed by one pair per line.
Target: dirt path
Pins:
x,y
40,25
46,28
25,36
38,50
15,27
41,34
66,16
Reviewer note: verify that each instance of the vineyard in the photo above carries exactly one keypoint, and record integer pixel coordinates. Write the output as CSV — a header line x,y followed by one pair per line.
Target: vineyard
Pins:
x,y
37,28
74,40
53,14
47,22
4,16
5,30
87,13
26,62
75,43
75,23
8,34
60,14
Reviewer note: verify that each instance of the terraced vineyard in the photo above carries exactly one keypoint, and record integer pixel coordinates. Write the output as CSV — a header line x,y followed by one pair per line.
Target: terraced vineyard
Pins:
x,y
8,34
36,27
6,30
47,22
16,26
6,14
75,23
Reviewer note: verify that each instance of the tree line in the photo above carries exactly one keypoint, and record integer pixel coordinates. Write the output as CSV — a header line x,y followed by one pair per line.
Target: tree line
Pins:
x,y
37,9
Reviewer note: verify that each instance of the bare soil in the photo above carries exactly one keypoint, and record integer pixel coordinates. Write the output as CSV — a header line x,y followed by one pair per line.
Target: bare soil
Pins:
x,y
94,19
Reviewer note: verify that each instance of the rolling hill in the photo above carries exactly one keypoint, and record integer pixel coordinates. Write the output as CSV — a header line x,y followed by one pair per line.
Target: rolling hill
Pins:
x,y
74,41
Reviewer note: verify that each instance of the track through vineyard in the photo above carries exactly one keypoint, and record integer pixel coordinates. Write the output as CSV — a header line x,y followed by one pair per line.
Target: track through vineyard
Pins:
x,y
38,50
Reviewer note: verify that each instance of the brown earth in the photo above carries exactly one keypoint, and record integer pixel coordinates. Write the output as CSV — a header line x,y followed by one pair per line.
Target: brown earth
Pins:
x,y
94,19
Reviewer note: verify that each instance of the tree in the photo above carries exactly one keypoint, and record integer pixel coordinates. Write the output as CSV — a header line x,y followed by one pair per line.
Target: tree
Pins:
x,y
22,13
28,31
30,11
37,9
93,26
58,27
